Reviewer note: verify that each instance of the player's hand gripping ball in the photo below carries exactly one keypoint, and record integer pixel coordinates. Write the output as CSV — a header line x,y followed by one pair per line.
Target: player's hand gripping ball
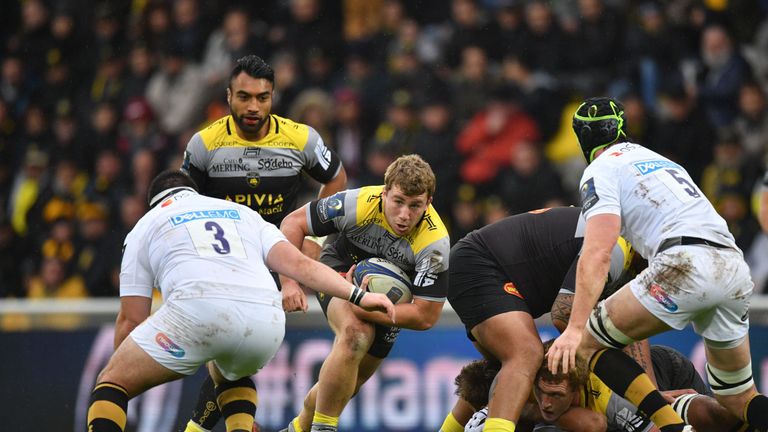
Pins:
x,y
384,277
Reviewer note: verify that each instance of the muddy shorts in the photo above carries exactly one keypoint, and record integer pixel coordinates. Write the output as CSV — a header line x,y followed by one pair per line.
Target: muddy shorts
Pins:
x,y
707,286
240,337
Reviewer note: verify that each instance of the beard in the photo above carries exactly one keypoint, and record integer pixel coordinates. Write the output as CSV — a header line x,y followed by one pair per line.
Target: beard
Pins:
x,y
248,129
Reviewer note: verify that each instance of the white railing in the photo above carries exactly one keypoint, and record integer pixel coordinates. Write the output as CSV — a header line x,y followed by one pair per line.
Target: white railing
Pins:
x,y
103,310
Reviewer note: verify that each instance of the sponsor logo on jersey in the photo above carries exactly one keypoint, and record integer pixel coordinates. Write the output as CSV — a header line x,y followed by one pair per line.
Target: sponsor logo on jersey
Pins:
x,y
231,165
271,164
648,167
510,288
588,194
662,297
323,154
331,207
251,152
167,202
169,346
258,200
204,214
253,179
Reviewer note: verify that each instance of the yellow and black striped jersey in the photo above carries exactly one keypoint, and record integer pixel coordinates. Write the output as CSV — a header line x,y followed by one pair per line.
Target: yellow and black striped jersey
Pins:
x,y
358,216
264,175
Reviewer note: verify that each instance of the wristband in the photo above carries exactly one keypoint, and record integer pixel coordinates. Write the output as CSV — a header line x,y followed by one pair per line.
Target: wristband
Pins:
x,y
356,295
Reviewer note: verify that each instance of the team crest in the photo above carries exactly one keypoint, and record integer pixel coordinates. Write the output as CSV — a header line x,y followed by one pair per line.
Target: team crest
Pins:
x,y
253,179
510,288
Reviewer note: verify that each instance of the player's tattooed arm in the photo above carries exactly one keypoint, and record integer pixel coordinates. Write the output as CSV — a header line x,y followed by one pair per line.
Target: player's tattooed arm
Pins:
x,y
561,310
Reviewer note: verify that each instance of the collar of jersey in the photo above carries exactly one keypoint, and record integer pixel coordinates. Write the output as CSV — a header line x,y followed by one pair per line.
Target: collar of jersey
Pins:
x,y
167,193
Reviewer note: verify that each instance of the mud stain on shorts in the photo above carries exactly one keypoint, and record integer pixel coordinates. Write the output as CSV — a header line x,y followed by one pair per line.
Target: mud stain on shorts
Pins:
x,y
673,272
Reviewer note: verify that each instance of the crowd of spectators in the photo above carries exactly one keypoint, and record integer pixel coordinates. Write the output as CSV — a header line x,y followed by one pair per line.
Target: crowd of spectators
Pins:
x,y
97,96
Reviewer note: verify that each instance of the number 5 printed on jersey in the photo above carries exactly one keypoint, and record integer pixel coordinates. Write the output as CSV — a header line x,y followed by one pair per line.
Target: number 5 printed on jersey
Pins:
x,y
680,184
216,238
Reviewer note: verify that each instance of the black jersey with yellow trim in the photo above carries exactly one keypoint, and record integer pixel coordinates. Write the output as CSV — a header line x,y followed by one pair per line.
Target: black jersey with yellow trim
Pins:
x,y
264,175
358,215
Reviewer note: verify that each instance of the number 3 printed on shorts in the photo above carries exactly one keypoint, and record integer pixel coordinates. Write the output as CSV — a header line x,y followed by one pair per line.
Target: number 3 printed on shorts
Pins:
x,y
216,238
681,185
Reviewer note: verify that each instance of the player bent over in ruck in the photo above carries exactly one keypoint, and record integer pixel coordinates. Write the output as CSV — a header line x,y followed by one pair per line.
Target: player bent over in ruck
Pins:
x,y
208,257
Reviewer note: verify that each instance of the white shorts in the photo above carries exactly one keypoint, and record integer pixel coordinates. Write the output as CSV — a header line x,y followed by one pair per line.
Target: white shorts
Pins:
x,y
703,285
240,337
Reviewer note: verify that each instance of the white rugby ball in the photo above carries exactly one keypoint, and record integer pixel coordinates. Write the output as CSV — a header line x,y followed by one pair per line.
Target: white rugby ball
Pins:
x,y
384,277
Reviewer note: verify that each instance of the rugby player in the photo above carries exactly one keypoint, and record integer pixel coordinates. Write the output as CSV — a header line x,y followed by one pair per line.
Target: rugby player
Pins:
x,y
208,257
396,222
256,158
696,274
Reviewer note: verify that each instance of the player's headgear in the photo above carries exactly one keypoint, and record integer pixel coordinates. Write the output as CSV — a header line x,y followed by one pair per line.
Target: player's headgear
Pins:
x,y
598,122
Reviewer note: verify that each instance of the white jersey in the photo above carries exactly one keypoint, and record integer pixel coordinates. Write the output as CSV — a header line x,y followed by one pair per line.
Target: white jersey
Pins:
x,y
655,198
192,246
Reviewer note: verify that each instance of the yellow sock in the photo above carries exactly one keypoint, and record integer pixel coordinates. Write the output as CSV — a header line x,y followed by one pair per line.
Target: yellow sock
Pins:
x,y
496,424
297,425
450,424
320,418
194,427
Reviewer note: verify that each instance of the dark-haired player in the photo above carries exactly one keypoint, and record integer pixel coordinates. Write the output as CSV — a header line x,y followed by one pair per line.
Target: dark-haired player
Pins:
x,y
696,274
256,158
208,257
505,275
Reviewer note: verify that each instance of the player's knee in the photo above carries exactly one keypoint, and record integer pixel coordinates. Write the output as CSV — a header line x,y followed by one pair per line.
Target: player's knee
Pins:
x,y
526,357
356,337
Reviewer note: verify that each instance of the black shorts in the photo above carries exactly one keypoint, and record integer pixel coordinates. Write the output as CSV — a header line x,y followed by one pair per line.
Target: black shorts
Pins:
x,y
478,289
674,371
384,337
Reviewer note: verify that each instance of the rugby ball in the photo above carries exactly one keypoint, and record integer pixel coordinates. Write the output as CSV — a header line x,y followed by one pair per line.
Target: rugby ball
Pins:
x,y
384,277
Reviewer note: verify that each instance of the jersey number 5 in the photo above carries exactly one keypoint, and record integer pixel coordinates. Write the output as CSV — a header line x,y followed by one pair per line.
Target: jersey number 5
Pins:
x,y
688,190
216,238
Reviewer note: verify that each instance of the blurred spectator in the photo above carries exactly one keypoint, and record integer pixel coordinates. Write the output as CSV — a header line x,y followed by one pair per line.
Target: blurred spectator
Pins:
x,y
731,173
157,29
436,143
493,210
492,135
108,38
10,261
314,107
234,39
139,131
98,253
15,88
361,19
723,72
190,30
395,135
541,95
652,52
143,169
35,130
68,139
368,82
684,133
288,81
529,183
597,42
543,38
174,92
471,85
641,124
108,182
470,27
392,16
350,133
102,130
509,20
763,212
35,40
108,84
751,124
141,65
58,200
466,212
52,281
28,183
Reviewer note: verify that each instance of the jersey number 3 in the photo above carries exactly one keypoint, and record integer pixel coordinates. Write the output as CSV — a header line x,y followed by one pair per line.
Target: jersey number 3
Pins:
x,y
216,238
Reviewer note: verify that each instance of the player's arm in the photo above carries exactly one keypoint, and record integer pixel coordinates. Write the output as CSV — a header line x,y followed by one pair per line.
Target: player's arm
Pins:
x,y
294,227
133,311
286,259
601,233
578,419
419,315
763,215
336,184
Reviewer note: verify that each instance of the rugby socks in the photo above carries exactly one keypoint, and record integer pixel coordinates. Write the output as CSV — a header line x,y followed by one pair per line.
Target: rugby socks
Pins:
x,y
450,424
107,411
756,412
295,426
495,424
206,413
237,401
627,379
324,423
